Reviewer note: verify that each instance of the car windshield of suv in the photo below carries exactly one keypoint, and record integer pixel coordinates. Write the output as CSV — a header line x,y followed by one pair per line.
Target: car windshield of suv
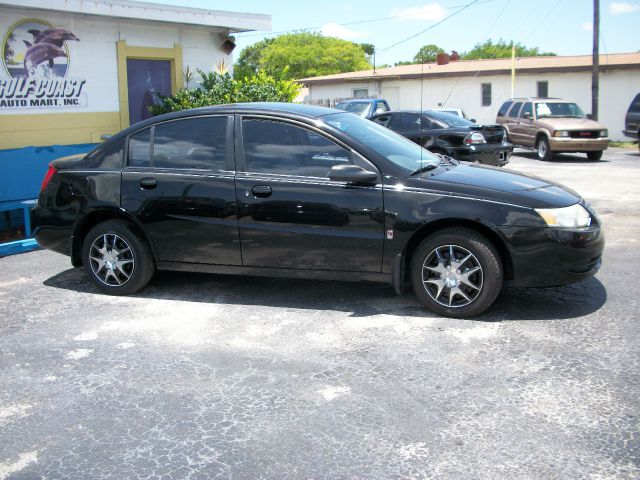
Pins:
x,y
450,119
558,109
359,108
407,155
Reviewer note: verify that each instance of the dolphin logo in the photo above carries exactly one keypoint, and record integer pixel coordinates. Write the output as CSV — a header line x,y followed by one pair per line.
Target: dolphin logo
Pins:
x,y
56,36
39,53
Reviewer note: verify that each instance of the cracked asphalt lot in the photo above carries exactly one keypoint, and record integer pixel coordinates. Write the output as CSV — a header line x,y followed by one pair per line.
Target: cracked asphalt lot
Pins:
x,y
208,376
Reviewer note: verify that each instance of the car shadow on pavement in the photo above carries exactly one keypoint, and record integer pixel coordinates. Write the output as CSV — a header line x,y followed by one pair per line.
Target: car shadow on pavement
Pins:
x,y
562,158
361,299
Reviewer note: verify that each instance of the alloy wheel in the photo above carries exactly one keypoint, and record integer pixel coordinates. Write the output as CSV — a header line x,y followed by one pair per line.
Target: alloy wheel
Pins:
x,y
452,276
112,260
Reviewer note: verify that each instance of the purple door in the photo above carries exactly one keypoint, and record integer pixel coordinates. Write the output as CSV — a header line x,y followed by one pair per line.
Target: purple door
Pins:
x,y
146,79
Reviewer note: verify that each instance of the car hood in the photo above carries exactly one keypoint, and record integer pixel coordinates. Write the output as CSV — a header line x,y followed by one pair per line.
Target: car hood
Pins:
x,y
499,185
560,123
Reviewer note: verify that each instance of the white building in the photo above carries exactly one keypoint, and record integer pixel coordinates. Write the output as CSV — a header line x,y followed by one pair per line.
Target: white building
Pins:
x,y
75,70
479,87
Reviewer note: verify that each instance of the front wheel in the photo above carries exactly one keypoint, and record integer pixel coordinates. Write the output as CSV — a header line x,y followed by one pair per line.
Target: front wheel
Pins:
x,y
543,149
594,156
456,272
116,259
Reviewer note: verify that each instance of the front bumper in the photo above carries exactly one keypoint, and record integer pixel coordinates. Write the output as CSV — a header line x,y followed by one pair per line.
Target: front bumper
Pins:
x,y
564,144
486,153
631,133
545,256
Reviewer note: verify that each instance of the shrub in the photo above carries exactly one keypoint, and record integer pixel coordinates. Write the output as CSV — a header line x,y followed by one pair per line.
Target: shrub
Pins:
x,y
220,88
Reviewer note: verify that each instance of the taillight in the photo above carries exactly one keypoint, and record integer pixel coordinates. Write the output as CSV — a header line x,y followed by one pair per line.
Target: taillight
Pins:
x,y
50,173
474,138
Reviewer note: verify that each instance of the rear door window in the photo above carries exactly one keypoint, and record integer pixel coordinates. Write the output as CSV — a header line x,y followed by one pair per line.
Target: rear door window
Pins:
x,y
192,143
515,109
140,149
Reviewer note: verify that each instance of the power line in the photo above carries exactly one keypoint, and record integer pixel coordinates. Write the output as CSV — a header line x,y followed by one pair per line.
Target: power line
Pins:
x,y
464,7
357,22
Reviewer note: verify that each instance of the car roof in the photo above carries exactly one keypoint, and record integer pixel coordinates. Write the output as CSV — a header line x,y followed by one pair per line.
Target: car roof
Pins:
x,y
288,110
537,99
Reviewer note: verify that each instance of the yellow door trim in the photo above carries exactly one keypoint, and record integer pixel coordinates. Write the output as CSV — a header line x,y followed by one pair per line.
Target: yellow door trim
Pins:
x,y
174,55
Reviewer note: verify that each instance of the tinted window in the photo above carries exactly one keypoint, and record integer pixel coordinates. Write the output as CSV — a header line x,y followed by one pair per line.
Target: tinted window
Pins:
x,y
140,149
503,109
527,108
381,107
282,148
382,119
406,122
359,108
107,157
194,143
451,119
515,109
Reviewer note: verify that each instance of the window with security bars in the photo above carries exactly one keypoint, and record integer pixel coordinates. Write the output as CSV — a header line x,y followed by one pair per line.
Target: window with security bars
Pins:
x,y
486,94
543,89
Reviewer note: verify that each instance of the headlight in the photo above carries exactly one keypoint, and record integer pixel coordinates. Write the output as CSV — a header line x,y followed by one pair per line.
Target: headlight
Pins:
x,y
561,133
604,133
568,217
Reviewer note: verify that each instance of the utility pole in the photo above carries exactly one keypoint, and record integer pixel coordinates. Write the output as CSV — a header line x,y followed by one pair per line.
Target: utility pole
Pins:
x,y
595,74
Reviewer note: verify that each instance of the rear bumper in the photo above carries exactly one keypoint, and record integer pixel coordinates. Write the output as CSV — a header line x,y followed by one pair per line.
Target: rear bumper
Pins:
x,y
558,144
50,234
488,154
545,257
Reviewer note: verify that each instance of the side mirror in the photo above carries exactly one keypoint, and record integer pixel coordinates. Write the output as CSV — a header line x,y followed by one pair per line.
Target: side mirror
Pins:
x,y
589,116
526,115
472,120
352,174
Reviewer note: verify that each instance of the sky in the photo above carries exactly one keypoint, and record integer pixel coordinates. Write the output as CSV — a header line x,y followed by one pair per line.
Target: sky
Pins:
x,y
560,26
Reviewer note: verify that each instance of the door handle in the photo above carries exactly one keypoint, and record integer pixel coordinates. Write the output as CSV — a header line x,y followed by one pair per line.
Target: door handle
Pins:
x,y
262,191
148,183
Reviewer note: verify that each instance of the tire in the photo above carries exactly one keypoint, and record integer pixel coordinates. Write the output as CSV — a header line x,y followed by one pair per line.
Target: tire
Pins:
x,y
433,280
543,149
136,265
594,156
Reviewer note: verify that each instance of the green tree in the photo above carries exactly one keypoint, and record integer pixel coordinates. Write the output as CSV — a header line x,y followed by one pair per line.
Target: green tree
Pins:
x,y
501,49
219,88
248,62
427,53
300,55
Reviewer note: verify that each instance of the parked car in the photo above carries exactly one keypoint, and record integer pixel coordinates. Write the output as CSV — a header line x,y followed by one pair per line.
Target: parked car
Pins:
x,y
552,125
449,134
455,111
364,107
632,120
308,192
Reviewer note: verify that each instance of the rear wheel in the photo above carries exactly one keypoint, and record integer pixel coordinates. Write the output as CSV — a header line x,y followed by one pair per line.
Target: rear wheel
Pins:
x,y
594,155
116,259
543,149
456,272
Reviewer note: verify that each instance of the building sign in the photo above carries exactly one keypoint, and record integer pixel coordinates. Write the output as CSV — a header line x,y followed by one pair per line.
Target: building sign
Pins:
x,y
36,61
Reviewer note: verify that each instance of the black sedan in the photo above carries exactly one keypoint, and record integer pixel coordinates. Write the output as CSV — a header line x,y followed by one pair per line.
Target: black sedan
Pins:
x,y
452,135
309,192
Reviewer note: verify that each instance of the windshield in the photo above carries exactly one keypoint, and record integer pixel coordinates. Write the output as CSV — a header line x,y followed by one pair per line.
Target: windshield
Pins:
x,y
359,108
558,109
450,119
397,149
